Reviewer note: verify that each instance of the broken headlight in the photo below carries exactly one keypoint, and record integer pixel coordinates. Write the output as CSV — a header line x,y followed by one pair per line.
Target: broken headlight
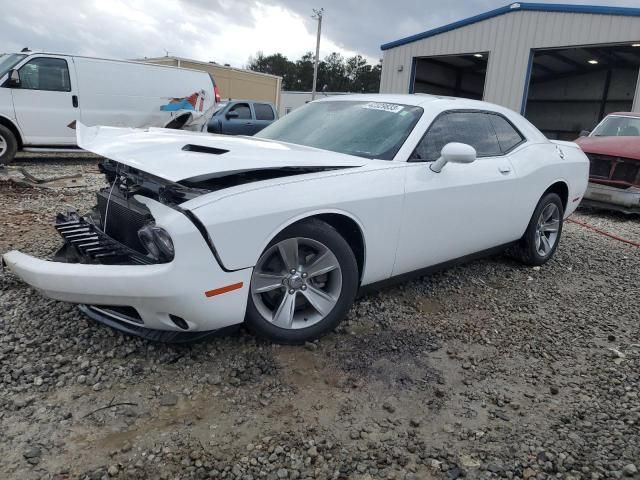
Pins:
x,y
157,242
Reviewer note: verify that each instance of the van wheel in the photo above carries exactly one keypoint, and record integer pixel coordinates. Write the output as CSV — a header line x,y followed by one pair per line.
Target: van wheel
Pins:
x,y
8,145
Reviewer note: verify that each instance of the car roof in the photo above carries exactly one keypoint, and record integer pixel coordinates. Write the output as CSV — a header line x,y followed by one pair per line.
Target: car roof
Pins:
x,y
404,99
436,104
426,101
625,114
418,100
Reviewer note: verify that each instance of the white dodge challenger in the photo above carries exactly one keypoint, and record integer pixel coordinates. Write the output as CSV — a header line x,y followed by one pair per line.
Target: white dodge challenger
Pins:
x,y
196,232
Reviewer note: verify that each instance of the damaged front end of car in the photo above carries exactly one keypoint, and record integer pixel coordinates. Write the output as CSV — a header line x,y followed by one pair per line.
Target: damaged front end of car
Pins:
x,y
141,260
137,262
119,229
614,183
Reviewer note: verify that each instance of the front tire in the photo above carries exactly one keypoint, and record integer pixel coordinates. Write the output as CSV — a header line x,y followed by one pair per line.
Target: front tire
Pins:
x,y
8,145
303,284
543,233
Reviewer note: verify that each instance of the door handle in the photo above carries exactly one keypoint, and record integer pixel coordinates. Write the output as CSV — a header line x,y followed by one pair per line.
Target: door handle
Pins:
x,y
74,101
504,169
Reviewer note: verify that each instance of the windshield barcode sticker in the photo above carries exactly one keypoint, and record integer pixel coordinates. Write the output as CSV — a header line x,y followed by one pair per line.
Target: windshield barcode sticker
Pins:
x,y
386,107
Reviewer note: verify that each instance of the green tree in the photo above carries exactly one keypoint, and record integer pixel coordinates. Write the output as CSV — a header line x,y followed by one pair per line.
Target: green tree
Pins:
x,y
354,74
335,75
304,72
276,64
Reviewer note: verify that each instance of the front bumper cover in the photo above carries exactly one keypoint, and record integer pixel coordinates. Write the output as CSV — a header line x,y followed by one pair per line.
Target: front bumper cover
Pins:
x,y
612,198
157,292
121,324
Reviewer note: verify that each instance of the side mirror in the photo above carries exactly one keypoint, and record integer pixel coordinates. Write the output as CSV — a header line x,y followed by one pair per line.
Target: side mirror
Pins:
x,y
14,78
584,133
231,115
454,153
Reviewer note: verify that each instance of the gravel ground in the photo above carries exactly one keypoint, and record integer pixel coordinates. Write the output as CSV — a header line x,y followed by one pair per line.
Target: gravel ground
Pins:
x,y
488,370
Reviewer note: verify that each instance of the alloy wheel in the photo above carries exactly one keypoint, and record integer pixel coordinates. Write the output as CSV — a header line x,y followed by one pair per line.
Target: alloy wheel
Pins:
x,y
296,283
547,229
3,145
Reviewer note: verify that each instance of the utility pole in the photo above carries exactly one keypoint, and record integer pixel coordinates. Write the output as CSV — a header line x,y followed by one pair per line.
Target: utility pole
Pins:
x,y
317,14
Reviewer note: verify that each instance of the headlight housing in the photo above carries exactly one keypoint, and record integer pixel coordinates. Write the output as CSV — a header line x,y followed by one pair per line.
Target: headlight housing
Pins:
x,y
157,242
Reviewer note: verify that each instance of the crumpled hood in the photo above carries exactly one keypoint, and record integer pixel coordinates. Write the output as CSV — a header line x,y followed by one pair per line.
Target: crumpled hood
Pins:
x,y
176,155
626,147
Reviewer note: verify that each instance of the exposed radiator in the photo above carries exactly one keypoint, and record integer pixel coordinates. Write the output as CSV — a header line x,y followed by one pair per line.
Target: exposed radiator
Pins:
x,y
124,218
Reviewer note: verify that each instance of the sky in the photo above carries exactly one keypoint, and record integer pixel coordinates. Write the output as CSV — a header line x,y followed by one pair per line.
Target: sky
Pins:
x,y
225,31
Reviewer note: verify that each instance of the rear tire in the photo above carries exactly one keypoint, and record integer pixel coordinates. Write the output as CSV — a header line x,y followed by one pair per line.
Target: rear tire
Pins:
x,y
8,145
541,239
303,284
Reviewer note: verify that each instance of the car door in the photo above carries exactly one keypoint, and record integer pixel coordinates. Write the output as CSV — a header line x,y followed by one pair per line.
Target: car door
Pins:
x,y
264,115
464,209
46,101
238,120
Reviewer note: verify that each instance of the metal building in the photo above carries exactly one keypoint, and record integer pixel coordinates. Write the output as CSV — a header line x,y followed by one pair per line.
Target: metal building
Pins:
x,y
563,66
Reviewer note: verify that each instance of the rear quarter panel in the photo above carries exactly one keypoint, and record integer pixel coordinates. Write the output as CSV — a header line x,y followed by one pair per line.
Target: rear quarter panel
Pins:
x,y
540,165
243,222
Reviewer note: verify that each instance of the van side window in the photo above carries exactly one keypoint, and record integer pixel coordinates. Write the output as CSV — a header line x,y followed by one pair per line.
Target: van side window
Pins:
x,y
263,111
51,74
472,128
243,111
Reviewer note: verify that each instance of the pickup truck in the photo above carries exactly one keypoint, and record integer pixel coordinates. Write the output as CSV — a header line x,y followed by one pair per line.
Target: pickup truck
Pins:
x,y
242,117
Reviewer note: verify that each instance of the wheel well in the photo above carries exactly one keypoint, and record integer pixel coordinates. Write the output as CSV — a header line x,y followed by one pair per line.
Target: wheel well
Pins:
x,y
563,192
350,231
10,125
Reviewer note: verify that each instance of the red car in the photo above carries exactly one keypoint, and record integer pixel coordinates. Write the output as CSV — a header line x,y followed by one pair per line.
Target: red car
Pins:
x,y
613,149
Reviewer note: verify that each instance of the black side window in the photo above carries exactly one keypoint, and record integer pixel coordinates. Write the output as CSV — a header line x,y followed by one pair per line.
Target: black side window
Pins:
x,y
472,128
263,111
51,74
243,111
508,136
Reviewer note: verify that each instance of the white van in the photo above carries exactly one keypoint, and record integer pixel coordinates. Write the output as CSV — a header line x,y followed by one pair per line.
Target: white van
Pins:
x,y
42,96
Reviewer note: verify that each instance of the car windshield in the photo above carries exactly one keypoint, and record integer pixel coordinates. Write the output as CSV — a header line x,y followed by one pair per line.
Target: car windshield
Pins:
x,y
8,61
365,129
618,126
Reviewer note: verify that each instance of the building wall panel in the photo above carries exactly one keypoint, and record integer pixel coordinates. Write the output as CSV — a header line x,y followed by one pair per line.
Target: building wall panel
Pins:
x,y
509,38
